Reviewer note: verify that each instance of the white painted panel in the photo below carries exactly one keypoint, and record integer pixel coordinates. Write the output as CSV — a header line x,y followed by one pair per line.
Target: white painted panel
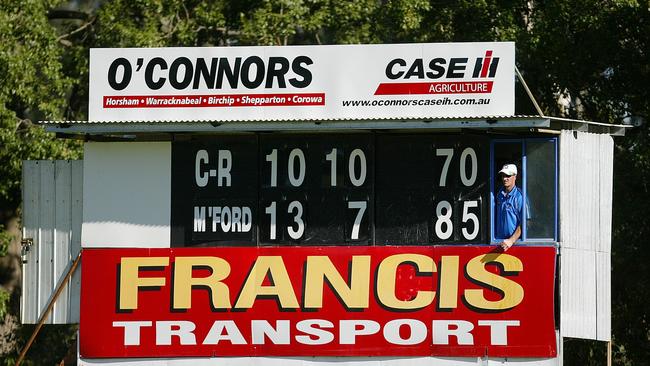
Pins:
x,y
126,194
581,209
586,166
591,204
606,187
62,235
52,218
30,221
578,293
567,187
45,247
604,294
75,241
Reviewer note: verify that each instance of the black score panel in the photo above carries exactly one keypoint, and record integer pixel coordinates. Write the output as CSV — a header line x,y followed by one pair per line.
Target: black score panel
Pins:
x,y
330,189
403,175
468,175
431,189
316,189
215,191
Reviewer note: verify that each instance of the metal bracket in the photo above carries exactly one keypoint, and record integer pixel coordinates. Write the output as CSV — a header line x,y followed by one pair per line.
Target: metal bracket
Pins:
x,y
25,246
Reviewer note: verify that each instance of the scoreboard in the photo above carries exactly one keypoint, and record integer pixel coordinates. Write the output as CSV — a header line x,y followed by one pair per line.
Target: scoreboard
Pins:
x,y
338,242
330,189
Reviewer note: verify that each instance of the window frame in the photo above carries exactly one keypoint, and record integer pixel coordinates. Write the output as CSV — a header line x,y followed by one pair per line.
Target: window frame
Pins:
x,y
523,143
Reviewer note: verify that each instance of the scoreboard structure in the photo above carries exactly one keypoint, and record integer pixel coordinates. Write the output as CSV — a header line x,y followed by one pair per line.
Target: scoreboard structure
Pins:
x,y
310,205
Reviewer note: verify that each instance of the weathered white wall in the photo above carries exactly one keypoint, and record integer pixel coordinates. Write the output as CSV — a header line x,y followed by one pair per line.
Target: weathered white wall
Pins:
x,y
127,194
586,173
52,192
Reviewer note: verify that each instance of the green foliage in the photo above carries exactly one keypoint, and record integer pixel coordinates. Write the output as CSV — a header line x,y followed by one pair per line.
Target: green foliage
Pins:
x,y
158,23
20,141
4,300
32,87
53,344
32,83
275,22
5,240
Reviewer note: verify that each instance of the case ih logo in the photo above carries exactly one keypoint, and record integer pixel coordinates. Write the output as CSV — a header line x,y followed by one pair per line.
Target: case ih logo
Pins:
x,y
437,68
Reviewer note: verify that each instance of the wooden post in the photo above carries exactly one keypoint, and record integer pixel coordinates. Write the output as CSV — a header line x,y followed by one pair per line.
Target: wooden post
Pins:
x,y
609,353
50,305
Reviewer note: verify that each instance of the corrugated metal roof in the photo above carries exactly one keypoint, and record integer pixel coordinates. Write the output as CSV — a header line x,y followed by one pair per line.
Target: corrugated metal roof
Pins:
x,y
165,127
540,123
406,118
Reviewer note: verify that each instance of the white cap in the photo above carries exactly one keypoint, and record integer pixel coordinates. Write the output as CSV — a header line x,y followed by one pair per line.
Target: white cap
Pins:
x,y
509,169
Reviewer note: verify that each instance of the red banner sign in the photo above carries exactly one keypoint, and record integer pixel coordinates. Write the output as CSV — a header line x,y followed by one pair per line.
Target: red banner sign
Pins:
x,y
318,301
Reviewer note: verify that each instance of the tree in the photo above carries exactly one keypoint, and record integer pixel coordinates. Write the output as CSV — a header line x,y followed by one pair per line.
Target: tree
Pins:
x,y
582,60
33,86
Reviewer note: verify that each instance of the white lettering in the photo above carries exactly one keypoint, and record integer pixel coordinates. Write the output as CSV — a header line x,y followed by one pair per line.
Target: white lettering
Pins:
x,y
417,331
277,335
217,334
199,219
442,330
309,327
402,332
165,330
225,164
226,220
236,219
499,330
201,158
350,329
246,219
132,331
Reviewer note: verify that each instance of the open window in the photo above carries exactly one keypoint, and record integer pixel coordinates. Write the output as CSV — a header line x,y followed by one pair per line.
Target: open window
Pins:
x,y
536,161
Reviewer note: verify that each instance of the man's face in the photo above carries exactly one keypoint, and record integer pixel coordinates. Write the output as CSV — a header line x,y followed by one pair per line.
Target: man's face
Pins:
x,y
508,181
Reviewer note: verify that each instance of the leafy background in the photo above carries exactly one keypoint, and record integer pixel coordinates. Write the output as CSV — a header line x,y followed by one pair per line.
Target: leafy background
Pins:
x,y
582,59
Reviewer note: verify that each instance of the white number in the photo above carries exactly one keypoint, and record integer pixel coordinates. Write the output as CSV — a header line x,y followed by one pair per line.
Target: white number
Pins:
x,y
445,167
273,158
361,206
357,181
271,211
331,157
463,172
296,234
296,181
201,158
470,216
444,220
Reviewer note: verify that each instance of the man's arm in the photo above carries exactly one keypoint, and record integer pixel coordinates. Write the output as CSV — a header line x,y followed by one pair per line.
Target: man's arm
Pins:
x,y
507,243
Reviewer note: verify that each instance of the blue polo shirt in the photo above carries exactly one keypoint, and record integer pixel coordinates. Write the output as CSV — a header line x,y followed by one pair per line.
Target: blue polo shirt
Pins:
x,y
509,211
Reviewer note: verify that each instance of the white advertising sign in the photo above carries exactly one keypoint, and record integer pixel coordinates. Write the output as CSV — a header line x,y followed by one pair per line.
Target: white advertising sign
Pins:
x,y
394,81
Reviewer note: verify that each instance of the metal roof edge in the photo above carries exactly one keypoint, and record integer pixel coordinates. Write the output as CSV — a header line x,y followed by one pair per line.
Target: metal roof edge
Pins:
x,y
196,126
92,128
396,119
579,121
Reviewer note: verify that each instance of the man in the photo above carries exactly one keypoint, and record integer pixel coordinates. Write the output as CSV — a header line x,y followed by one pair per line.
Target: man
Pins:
x,y
509,203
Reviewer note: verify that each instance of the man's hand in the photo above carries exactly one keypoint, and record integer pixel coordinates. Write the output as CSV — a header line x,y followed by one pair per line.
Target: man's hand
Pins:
x,y
506,244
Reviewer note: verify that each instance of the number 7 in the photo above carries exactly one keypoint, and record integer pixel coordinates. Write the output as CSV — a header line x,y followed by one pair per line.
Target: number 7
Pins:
x,y
445,167
361,206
